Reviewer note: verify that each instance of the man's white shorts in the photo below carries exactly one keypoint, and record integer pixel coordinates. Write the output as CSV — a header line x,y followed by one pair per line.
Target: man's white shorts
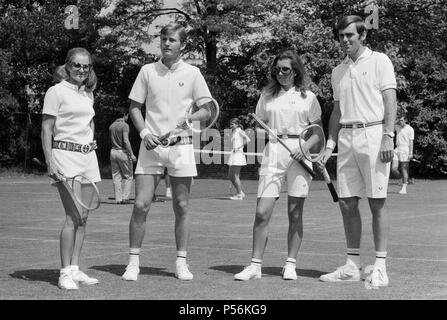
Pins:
x,y
359,168
277,167
402,154
178,159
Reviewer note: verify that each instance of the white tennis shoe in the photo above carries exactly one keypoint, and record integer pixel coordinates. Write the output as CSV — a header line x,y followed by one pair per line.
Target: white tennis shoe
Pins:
x,y
182,272
66,282
131,273
81,277
239,196
348,272
377,278
289,272
250,272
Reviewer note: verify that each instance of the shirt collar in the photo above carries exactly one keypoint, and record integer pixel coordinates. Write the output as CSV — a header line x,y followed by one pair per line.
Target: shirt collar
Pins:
x,y
291,90
175,66
72,86
366,53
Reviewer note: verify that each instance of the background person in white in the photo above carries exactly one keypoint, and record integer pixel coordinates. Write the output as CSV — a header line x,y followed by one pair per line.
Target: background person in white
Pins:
x,y
167,87
364,87
404,151
287,108
67,115
237,157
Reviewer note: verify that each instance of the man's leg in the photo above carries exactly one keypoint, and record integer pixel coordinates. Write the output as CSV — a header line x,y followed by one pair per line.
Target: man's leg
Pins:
x,y
116,175
353,231
181,187
380,227
404,170
144,192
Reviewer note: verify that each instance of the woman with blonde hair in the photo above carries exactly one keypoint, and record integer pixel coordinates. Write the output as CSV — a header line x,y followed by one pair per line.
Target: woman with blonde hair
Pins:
x,y
67,124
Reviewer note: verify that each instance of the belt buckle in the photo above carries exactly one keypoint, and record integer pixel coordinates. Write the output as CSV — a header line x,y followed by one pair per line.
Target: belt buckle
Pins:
x,y
85,148
61,145
285,136
357,125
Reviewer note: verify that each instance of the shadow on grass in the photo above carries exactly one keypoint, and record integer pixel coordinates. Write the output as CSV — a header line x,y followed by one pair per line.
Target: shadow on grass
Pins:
x,y
119,269
45,275
270,271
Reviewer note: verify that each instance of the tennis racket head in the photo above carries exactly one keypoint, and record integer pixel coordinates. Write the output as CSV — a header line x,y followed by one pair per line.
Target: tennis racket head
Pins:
x,y
85,192
202,114
312,143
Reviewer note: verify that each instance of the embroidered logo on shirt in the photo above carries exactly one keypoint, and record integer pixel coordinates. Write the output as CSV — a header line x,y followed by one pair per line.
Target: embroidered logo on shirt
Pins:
x,y
181,84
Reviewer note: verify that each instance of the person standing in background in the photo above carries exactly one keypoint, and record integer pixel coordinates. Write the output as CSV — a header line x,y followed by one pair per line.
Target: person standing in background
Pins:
x,y
121,158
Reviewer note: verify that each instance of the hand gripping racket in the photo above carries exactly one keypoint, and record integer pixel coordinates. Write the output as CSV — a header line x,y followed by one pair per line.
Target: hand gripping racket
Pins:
x,y
312,144
273,135
79,191
201,115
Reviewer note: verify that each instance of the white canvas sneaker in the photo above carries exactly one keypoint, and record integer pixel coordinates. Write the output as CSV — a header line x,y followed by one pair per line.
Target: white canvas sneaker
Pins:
x,y
182,272
377,278
66,282
348,272
289,272
81,277
131,273
250,272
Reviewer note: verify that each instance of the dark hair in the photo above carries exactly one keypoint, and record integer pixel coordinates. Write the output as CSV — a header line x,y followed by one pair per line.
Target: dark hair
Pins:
x,y
174,27
62,72
344,22
237,122
273,87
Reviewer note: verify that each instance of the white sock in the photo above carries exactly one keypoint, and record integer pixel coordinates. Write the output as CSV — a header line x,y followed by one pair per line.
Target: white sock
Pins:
x,y
181,257
256,263
66,270
291,262
353,256
134,256
74,267
380,260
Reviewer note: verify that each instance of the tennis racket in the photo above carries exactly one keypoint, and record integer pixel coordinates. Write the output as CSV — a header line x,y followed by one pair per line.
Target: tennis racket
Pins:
x,y
79,191
312,144
201,115
273,135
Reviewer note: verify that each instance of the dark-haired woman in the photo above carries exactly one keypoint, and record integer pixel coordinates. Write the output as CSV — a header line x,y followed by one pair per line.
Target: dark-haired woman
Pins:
x,y
287,108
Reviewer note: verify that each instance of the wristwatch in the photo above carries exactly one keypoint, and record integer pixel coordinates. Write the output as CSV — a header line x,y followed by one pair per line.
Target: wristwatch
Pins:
x,y
390,134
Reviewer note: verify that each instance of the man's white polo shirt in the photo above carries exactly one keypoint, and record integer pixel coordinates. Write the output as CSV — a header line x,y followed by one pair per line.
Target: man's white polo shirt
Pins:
x,y
167,93
358,86
73,109
404,135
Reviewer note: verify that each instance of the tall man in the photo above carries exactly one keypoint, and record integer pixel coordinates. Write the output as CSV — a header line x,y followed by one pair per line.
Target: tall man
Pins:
x,y
121,158
362,122
167,88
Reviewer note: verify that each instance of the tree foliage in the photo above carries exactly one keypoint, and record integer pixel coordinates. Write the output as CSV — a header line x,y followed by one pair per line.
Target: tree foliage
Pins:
x,y
234,43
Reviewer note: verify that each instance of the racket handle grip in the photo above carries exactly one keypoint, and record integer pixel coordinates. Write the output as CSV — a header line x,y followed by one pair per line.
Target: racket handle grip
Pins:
x,y
307,168
330,185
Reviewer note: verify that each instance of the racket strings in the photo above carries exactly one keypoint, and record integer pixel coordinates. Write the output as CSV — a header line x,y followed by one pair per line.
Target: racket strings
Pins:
x,y
312,143
85,192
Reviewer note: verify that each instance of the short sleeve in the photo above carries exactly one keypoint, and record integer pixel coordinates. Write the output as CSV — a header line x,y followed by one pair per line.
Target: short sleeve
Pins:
x,y
140,87
200,88
387,78
315,110
261,108
51,102
411,135
335,82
